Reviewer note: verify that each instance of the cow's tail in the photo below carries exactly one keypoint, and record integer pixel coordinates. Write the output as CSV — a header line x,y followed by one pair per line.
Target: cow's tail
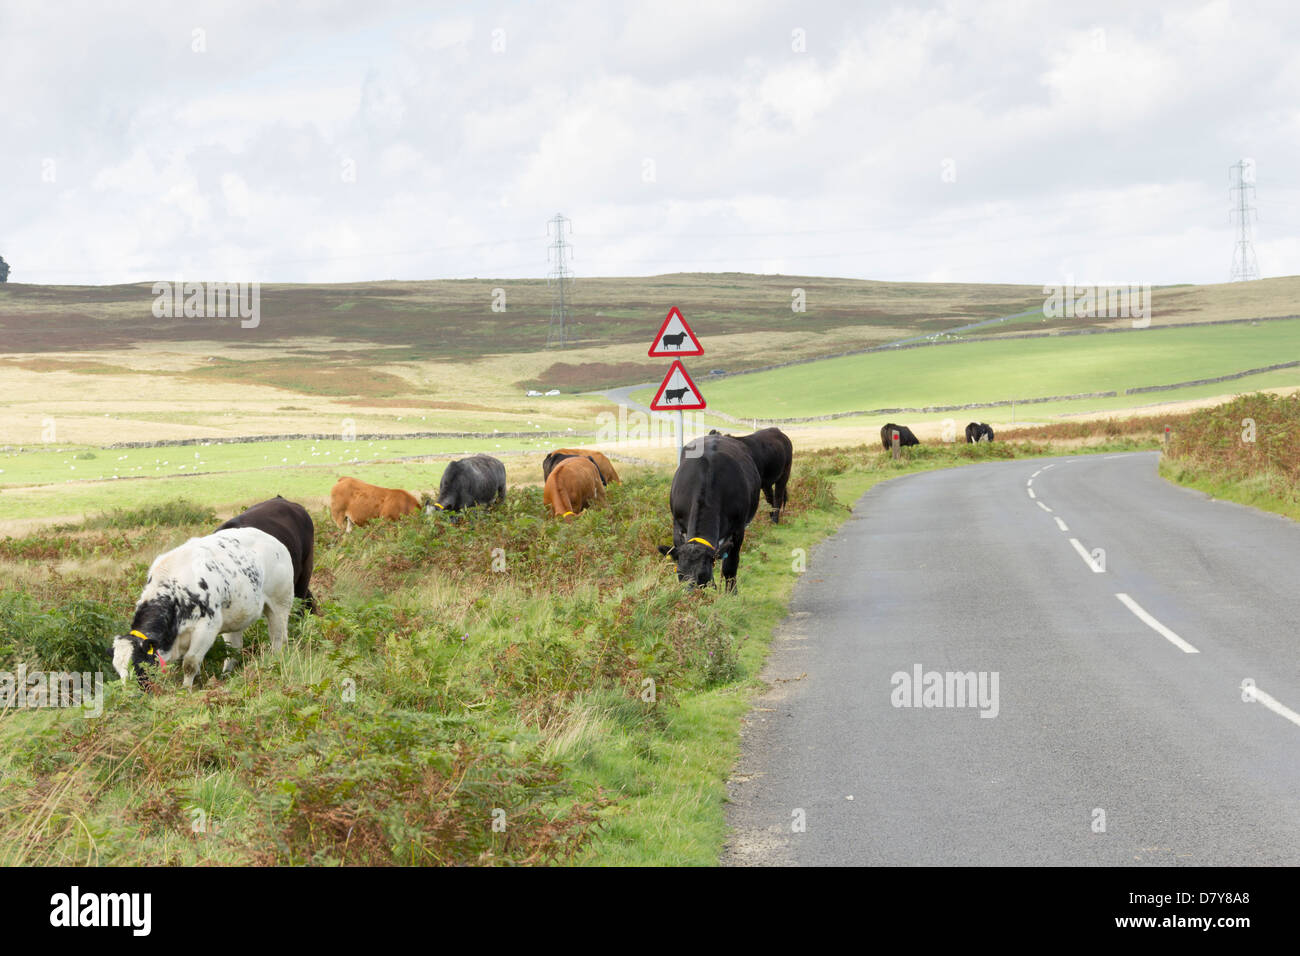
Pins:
x,y
563,504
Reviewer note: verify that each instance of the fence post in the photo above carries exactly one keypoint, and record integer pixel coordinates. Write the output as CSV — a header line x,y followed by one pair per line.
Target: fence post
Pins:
x,y
894,444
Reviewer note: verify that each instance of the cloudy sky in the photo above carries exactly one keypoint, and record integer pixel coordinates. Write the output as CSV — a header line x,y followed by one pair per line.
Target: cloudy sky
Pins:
x,y
983,141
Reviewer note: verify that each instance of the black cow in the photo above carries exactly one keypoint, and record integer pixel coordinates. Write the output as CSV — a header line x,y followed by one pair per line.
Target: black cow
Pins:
x,y
978,431
713,497
675,393
674,340
291,525
773,454
477,480
905,436
555,457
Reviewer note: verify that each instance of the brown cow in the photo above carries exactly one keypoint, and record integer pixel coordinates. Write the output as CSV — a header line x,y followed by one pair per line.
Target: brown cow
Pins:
x,y
606,468
354,502
573,484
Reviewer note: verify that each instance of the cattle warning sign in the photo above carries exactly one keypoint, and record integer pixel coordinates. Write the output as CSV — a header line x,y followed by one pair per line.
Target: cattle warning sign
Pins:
x,y
677,392
675,338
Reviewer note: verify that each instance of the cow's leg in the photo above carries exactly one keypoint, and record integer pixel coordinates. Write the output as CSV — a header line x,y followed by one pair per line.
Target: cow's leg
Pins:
x,y
731,564
234,641
277,622
201,641
779,489
350,525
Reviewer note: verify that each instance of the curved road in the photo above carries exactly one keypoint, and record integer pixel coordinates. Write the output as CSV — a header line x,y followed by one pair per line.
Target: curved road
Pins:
x,y
1120,614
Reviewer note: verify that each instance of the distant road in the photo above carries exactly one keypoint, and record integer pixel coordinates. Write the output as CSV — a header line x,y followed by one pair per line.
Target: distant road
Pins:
x,y
1119,678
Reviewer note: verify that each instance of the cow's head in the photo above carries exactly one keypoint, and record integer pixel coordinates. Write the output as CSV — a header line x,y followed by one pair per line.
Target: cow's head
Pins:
x,y
695,559
430,505
132,653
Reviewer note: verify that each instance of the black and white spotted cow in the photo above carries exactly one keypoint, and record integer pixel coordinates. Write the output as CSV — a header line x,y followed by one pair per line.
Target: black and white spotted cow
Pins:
x,y
978,432
220,584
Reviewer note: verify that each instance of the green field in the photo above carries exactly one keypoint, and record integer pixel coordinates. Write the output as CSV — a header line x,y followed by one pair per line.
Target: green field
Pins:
x,y
1020,368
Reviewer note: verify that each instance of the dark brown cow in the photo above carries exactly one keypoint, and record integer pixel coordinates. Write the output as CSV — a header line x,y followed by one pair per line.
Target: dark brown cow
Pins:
x,y
290,524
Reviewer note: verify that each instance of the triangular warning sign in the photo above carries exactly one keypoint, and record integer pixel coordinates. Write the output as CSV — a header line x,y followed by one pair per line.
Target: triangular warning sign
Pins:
x,y
675,338
677,392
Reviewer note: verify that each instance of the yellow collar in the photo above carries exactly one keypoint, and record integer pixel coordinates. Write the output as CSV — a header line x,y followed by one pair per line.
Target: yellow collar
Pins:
x,y
439,507
566,514
703,542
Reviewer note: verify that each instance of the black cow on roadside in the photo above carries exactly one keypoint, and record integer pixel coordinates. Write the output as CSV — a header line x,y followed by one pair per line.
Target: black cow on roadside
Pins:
x,y
773,455
466,482
714,495
905,436
978,431
290,524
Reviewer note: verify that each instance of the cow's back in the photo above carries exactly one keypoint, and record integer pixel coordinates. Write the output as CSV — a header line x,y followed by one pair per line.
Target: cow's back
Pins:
x,y
602,462
720,467
290,524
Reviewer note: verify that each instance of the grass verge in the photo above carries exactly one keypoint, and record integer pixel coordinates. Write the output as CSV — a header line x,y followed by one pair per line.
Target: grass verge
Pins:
x,y
507,689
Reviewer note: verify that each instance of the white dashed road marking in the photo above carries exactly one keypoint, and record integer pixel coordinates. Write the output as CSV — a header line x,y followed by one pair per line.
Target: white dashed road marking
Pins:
x,y
1271,702
1044,507
1061,524
1031,493
1160,629
1087,558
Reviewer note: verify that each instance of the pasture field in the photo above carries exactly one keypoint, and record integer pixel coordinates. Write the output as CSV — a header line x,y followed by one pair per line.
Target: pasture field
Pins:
x,y
434,696
98,367
1020,368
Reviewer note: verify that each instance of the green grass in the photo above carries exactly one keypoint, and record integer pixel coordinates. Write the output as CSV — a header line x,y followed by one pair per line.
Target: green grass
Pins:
x,y
1021,368
1247,450
58,482
433,693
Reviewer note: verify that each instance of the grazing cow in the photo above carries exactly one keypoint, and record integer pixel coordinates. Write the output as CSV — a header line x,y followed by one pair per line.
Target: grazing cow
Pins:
x,y
714,496
978,431
573,484
220,584
554,458
607,472
354,502
675,394
674,340
773,454
477,480
291,525
905,436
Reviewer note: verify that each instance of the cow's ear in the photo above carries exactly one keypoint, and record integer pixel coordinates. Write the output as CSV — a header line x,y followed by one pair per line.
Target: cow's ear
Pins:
x,y
668,550
724,548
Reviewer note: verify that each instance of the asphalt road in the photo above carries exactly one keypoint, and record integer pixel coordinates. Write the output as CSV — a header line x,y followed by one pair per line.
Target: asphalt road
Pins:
x,y
1097,710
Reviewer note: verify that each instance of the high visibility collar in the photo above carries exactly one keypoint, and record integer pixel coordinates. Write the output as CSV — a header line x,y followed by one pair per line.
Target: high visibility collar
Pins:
x,y
703,542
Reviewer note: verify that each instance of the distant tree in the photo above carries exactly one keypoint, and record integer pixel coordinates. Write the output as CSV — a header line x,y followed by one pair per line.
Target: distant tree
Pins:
x,y
4,270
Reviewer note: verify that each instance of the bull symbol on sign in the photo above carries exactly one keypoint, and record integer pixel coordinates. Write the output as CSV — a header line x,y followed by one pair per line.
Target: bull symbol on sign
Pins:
x,y
676,394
